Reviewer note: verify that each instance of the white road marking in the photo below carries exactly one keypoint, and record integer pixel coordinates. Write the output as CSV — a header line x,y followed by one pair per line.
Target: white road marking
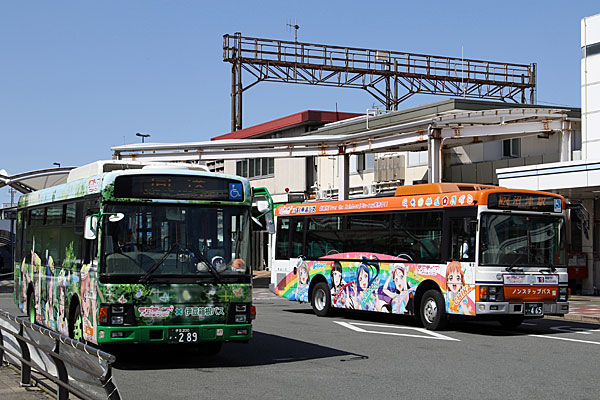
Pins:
x,y
425,334
566,339
570,329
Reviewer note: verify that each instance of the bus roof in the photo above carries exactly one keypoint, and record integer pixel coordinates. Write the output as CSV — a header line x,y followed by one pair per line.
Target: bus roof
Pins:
x,y
425,196
103,183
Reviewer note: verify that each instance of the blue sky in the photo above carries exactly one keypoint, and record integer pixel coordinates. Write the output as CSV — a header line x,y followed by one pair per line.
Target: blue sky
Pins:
x,y
77,77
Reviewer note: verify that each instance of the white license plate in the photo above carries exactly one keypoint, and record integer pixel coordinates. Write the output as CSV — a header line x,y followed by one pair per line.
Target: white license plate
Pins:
x,y
183,335
534,309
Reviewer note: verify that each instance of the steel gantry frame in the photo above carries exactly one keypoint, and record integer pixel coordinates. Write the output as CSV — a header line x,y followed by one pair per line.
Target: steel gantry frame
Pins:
x,y
382,73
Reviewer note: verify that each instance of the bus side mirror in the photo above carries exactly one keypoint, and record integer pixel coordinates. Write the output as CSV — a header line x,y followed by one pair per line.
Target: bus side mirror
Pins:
x,y
90,227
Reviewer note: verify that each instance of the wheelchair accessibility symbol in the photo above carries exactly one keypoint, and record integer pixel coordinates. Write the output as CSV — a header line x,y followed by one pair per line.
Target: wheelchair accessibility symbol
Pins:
x,y
236,191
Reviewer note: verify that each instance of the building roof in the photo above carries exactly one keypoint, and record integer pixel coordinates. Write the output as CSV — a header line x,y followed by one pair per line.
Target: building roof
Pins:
x,y
308,117
432,110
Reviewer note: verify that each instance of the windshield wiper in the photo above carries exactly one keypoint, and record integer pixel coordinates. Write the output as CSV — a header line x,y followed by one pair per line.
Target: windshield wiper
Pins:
x,y
157,264
202,258
512,265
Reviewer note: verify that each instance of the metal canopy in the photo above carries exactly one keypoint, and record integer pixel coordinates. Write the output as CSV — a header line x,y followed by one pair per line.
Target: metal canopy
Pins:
x,y
27,182
453,129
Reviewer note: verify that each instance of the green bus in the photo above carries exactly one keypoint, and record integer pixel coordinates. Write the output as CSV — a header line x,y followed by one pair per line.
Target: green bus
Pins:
x,y
145,254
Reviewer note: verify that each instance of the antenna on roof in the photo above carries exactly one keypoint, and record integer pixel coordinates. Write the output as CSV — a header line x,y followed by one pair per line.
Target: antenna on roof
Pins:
x,y
295,26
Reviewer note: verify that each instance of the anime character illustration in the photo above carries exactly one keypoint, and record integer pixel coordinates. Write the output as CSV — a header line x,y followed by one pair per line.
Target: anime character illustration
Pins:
x,y
61,317
400,294
88,305
36,266
457,299
366,287
339,287
24,283
301,292
50,310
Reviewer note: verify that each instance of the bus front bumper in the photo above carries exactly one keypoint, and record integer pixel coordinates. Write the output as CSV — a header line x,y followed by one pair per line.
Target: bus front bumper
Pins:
x,y
160,333
505,308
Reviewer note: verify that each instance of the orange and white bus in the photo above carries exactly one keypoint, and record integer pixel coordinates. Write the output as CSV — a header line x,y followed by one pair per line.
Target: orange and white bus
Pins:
x,y
431,251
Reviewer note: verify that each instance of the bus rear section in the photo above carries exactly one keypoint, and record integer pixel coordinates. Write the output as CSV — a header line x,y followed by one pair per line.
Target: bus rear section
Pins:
x,y
431,251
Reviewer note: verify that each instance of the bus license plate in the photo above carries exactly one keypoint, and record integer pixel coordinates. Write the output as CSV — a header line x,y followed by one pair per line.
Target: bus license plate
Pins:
x,y
183,335
534,309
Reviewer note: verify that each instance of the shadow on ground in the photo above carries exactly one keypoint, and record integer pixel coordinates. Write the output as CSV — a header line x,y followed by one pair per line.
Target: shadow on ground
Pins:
x,y
263,349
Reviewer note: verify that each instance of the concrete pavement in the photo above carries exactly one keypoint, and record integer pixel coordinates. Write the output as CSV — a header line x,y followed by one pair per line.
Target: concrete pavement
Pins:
x,y
11,390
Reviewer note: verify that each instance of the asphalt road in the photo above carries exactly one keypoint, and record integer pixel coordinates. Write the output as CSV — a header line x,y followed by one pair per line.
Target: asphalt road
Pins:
x,y
295,354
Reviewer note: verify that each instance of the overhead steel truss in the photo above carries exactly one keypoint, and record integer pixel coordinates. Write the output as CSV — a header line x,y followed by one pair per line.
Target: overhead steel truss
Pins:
x,y
389,76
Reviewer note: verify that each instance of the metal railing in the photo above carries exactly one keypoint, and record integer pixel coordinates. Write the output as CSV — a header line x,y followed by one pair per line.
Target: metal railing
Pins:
x,y
103,374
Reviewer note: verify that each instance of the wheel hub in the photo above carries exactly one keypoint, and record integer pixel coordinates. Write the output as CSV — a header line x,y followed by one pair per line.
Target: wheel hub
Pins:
x,y
320,300
430,310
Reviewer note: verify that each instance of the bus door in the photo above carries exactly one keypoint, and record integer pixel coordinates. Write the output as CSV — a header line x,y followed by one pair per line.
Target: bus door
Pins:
x,y
88,290
460,228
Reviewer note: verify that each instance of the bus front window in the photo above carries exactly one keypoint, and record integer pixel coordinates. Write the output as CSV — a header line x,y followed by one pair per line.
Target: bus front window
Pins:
x,y
522,240
174,240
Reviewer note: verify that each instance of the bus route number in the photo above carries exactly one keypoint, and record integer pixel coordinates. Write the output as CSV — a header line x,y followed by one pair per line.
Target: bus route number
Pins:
x,y
183,335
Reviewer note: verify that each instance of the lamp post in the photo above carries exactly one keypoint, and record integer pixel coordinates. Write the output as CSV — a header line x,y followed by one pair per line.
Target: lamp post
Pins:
x,y
57,164
142,135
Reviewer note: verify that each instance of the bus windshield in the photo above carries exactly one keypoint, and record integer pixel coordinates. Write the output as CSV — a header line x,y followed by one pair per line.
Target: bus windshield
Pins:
x,y
522,240
175,240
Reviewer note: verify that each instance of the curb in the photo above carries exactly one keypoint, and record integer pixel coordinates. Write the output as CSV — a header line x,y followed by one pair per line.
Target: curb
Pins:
x,y
577,318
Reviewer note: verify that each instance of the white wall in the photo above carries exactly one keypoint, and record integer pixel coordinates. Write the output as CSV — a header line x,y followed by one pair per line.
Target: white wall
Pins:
x,y
590,89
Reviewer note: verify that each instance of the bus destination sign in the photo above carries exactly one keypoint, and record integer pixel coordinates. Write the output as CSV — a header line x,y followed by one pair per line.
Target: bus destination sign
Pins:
x,y
524,202
178,187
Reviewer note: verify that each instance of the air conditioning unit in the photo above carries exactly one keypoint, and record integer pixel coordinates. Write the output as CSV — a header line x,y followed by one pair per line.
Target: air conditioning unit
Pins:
x,y
325,194
369,190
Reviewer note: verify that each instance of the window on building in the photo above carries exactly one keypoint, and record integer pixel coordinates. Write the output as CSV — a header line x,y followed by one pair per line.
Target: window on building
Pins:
x,y
362,163
511,148
418,158
255,167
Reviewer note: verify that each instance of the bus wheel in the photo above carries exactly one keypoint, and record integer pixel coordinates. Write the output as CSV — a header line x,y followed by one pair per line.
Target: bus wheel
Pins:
x,y
433,311
511,321
321,299
31,307
76,325
210,348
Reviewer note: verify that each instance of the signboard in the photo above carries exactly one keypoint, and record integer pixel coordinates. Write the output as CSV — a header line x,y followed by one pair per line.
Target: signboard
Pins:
x,y
179,187
524,202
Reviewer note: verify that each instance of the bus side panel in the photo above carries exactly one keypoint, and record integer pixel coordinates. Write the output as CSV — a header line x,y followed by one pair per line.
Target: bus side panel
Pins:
x,y
53,286
21,280
376,282
460,288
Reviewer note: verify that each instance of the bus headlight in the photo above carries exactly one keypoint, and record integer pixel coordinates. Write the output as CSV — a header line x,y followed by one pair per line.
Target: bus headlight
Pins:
x,y
491,293
116,320
240,318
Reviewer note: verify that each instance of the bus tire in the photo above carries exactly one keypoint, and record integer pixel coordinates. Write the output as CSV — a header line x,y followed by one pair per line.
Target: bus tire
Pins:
x,y
433,311
31,307
321,299
511,321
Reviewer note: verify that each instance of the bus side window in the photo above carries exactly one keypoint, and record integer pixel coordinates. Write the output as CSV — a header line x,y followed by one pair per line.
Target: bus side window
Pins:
x,y
297,242
282,246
